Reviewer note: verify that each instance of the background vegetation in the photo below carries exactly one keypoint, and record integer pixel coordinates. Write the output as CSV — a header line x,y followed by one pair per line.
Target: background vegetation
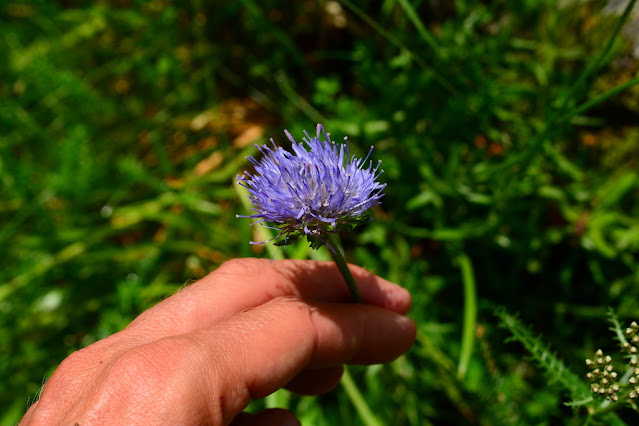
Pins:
x,y
509,138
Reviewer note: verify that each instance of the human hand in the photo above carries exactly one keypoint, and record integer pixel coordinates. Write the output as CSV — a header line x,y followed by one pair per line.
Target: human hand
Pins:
x,y
245,330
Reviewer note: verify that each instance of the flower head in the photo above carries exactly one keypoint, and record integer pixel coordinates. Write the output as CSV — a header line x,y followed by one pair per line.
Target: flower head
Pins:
x,y
314,191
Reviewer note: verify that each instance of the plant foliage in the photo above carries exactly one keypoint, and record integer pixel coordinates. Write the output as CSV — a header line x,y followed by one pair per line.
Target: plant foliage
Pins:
x,y
508,136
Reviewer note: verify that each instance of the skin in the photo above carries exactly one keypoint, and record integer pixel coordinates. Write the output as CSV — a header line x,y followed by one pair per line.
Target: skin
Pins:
x,y
245,330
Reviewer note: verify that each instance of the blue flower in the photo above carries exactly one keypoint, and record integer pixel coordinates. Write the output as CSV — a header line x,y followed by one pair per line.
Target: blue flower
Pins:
x,y
312,192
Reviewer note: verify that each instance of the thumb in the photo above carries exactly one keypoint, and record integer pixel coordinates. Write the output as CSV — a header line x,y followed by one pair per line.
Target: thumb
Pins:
x,y
270,417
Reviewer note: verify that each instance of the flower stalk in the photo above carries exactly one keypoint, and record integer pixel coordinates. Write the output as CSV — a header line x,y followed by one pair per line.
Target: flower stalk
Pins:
x,y
340,261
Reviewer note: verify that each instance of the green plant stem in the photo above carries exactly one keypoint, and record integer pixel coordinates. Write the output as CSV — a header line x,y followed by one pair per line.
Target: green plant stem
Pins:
x,y
402,47
340,261
600,98
358,400
595,64
470,315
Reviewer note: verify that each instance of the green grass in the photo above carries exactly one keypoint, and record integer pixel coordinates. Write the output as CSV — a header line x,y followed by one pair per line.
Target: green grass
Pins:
x,y
509,138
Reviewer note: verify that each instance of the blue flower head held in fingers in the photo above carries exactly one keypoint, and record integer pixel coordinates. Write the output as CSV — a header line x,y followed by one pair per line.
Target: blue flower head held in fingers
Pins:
x,y
314,191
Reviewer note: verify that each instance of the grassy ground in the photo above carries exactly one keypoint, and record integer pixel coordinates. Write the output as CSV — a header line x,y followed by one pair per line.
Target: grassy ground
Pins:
x,y
509,138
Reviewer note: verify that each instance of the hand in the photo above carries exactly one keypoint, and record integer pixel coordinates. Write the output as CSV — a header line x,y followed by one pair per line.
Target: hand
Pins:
x,y
247,329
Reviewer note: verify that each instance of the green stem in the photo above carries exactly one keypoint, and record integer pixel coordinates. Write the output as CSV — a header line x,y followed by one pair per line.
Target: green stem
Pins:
x,y
470,315
358,400
340,261
592,102
402,47
596,63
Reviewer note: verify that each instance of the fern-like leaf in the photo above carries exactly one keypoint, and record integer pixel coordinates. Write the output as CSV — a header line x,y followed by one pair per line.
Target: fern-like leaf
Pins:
x,y
554,367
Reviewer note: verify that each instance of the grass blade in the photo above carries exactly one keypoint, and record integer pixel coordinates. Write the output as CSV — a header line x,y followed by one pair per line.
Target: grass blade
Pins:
x,y
470,315
358,400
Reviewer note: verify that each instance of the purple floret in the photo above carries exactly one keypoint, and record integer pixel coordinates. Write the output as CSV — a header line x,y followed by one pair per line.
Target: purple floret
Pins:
x,y
314,190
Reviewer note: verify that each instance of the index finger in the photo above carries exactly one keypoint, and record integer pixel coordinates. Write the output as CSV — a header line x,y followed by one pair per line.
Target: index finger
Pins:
x,y
241,284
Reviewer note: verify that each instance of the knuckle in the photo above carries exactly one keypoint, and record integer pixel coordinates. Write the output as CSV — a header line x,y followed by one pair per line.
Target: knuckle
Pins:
x,y
291,304
298,311
71,369
247,266
147,366
71,361
133,370
148,375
